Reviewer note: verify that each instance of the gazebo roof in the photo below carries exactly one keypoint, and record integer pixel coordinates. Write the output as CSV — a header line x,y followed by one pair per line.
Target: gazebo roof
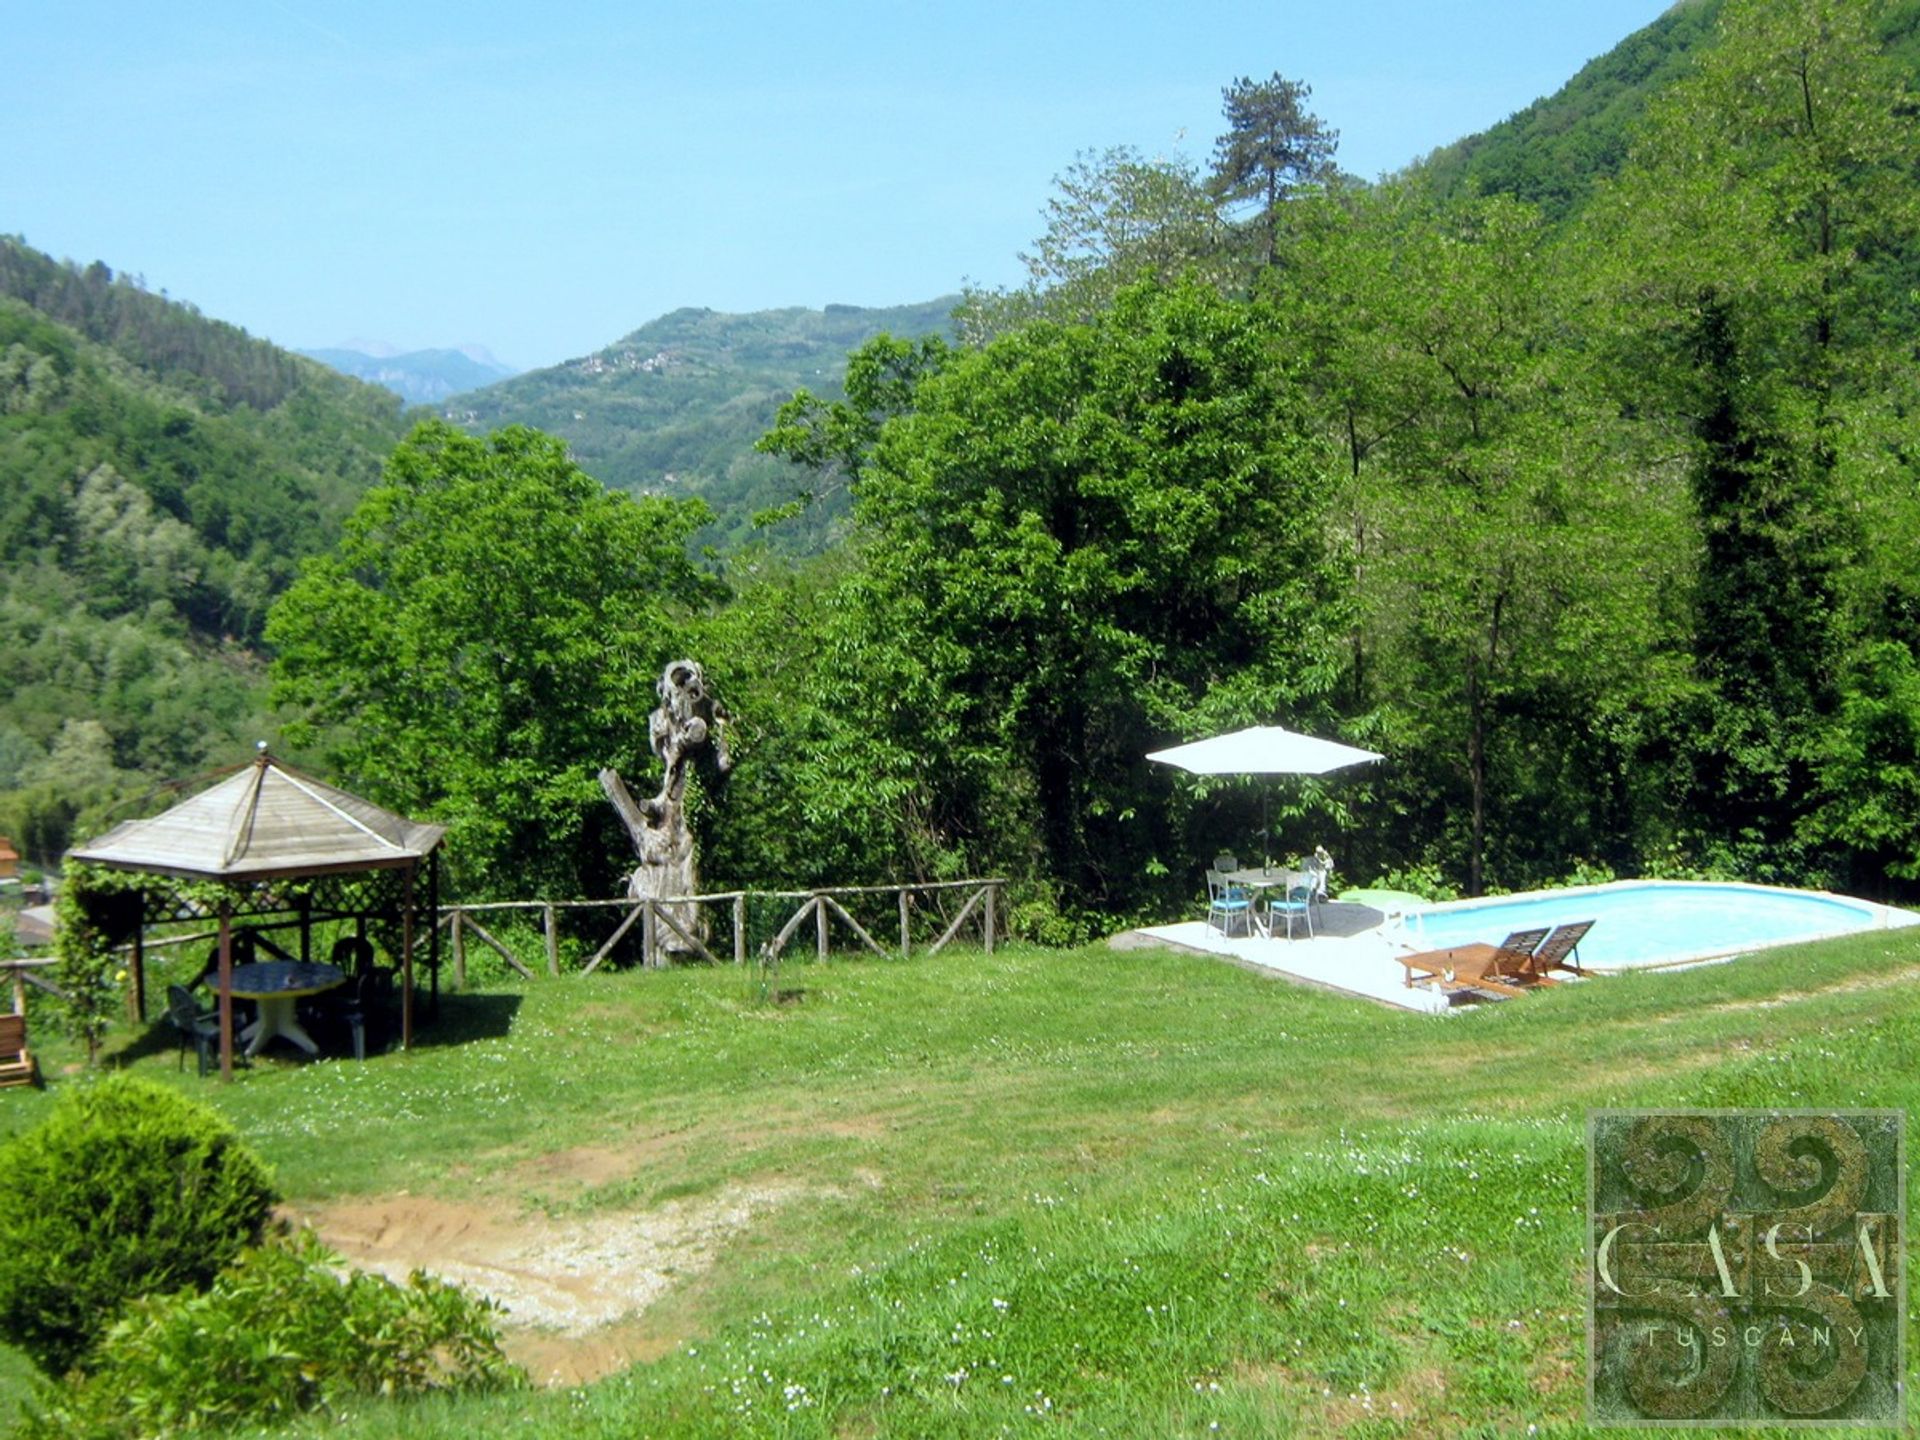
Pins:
x,y
261,822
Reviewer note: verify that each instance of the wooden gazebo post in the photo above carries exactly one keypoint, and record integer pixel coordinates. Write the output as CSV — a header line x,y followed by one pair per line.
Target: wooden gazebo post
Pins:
x,y
226,990
406,959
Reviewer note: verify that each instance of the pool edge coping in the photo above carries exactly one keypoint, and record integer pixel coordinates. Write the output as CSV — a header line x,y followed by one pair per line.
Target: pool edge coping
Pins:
x,y
1886,917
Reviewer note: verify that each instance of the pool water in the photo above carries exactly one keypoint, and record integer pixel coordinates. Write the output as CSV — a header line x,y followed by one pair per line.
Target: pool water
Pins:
x,y
1650,923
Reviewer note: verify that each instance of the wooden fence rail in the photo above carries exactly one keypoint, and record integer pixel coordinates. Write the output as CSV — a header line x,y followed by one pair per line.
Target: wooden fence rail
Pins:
x,y
673,916
22,970
672,925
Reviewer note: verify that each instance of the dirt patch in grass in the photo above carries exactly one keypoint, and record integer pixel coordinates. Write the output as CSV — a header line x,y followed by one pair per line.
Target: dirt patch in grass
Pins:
x,y
1840,987
572,1288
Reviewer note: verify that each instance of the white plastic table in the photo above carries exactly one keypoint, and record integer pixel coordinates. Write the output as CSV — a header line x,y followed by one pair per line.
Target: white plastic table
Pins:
x,y
275,986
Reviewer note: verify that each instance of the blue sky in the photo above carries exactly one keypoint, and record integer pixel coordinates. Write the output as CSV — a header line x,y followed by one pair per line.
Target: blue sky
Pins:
x,y
543,179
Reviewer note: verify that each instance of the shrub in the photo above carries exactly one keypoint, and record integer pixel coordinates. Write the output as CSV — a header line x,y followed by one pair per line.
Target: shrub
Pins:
x,y
127,1189
281,1332
1420,879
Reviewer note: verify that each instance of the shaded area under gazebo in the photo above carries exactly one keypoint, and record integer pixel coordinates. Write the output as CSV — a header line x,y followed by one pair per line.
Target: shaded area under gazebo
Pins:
x,y
279,845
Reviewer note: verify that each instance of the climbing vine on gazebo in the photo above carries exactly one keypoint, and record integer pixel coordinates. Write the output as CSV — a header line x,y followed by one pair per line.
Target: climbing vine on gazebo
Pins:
x,y
100,909
89,909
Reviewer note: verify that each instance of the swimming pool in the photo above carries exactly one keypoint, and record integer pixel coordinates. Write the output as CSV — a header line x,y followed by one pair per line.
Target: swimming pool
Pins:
x,y
1656,922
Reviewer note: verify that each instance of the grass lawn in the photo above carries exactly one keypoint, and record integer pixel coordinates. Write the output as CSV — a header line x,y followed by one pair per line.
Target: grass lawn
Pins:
x,y
1096,1192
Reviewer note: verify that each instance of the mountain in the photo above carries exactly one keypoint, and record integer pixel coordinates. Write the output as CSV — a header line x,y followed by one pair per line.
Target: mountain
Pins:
x,y
420,377
676,406
164,474
1557,149
1553,152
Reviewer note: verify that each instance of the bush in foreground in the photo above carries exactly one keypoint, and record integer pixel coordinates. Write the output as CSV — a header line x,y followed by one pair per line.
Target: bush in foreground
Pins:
x,y
281,1333
127,1189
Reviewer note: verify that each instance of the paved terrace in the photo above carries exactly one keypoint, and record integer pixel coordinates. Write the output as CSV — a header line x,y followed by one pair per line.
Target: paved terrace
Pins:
x,y
1353,951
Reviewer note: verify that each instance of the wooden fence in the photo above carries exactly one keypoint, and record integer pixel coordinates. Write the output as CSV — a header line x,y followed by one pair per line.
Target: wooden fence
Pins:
x,y
670,924
666,927
24,971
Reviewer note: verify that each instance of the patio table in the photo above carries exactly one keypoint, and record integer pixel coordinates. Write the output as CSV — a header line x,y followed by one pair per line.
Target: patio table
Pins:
x,y
1270,879
274,985
1285,881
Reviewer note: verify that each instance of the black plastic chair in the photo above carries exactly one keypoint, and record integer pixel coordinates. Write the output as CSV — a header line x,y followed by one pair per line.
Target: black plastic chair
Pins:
x,y
368,994
200,1027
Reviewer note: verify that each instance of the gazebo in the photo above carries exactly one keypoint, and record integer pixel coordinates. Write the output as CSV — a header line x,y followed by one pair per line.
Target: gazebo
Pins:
x,y
280,845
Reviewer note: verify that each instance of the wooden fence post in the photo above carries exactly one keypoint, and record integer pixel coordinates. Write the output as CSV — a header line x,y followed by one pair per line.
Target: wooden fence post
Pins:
x,y
992,893
137,996
459,948
649,942
553,942
906,934
740,928
820,926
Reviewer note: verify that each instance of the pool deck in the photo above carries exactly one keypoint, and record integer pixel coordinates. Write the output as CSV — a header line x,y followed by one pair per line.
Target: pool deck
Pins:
x,y
1355,950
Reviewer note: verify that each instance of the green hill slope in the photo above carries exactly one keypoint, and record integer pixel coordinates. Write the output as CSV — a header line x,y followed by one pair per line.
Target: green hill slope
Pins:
x,y
161,476
1553,152
676,406
1557,149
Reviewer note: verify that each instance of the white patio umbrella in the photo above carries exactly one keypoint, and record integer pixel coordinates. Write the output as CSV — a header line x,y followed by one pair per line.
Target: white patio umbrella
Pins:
x,y
1263,750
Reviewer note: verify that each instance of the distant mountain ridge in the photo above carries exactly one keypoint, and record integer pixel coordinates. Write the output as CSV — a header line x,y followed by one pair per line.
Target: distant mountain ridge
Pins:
x,y
420,377
675,406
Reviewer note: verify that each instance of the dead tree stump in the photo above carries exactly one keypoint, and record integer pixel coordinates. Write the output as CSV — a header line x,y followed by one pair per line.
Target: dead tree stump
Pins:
x,y
686,724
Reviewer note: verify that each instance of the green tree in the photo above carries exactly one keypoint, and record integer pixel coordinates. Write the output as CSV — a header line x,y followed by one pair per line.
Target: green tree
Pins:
x,y
1273,146
1511,551
484,638
1867,761
1085,540
1116,217
824,790
833,438
1760,239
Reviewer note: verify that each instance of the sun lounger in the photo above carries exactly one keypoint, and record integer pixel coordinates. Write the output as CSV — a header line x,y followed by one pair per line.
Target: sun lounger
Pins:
x,y
1499,969
1561,950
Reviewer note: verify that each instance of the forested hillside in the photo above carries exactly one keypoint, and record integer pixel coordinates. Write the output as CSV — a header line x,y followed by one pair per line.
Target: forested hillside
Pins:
x,y
164,474
1557,150
675,408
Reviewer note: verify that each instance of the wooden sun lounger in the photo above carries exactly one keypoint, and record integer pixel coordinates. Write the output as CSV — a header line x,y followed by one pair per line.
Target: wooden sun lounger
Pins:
x,y
1498,969
1561,950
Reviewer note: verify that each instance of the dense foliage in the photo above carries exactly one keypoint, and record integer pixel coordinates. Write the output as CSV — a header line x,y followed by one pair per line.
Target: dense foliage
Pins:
x,y
1622,508
127,1189
279,1333
486,637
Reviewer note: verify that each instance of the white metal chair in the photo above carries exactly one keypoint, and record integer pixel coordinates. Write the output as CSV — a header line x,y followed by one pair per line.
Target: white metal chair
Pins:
x,y
1293,904
1227,904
